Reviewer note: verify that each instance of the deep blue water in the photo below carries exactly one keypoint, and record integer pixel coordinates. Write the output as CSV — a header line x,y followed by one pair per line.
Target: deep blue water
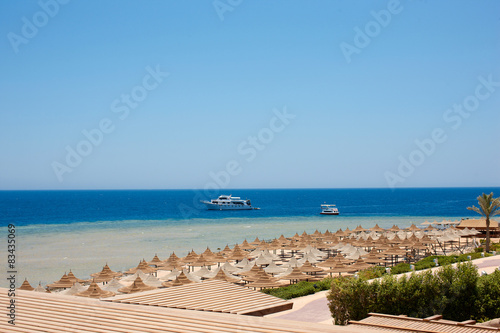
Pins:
x,y
63,207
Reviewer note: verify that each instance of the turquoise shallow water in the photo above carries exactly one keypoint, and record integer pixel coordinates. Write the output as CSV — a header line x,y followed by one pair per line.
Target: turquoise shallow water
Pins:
x,y
82,230
45,252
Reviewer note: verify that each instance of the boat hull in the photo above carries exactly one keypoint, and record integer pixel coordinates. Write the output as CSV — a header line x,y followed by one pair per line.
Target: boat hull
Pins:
x,y
211,206
322,213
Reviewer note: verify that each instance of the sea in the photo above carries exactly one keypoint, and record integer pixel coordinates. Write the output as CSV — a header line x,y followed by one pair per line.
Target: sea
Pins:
x,y
82,230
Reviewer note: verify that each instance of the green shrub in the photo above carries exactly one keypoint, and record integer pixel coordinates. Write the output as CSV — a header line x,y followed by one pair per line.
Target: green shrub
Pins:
x,y
300,289
400,268
488,300
451,291
352,299
372,273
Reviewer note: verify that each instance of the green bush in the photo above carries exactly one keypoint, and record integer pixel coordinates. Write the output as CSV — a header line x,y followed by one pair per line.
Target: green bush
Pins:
x,y
495,247
300,289
372,273
488,301
400,268
447,292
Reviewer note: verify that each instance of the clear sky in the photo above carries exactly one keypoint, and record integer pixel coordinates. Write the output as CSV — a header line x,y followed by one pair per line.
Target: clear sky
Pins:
x,y
249,94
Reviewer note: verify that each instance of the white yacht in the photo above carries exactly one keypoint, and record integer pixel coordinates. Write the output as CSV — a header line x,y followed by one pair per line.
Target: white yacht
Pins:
x,y
228,202
329,210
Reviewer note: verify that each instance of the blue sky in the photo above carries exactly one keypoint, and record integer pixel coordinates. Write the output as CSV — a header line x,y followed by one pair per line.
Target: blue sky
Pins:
x,y
334,94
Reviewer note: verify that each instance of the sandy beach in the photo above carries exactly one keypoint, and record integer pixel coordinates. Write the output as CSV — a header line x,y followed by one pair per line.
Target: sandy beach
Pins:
x,y
46,252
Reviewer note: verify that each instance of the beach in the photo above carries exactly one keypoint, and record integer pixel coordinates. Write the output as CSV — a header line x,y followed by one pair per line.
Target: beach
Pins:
x,y
46,252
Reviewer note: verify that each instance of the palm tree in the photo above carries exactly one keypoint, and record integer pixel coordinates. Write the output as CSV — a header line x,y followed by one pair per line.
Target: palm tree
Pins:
x,y
488,206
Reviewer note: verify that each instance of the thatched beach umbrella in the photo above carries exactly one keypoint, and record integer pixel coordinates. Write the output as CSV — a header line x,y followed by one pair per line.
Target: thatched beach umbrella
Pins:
x,y
413,227
274,269
106,269
137,286
246,246
221,275
40,289
360,264
295,276
143,266
155,261
293,262
172,259
103,277
341,268
393,253
64,282
308,268
263,261
75,289
26,286
73,278
330,262
191,257
113,286
237,254
264,281
228,268
134,276
376,228
201,261
93,291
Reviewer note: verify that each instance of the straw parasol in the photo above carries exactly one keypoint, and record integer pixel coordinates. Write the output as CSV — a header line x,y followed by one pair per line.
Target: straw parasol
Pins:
x,y
208,254
237,254
376,228
263,261
221,275
75,289
308,268
73,278
264,281
93,291
137,286
293,262
274,269
295,276
394,228
26,286
103,277
134,276
143,266
360,264
106,269
191,257
247,246
242,263
330,262
413,227
227,267
152,281
181,279
282,239
113,286
41,289
64,282
256,241
155,261
340,268
201,261
374,257
172,259
359,228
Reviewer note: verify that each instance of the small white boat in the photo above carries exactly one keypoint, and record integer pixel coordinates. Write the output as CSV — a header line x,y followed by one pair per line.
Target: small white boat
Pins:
x,y
329,210
228,202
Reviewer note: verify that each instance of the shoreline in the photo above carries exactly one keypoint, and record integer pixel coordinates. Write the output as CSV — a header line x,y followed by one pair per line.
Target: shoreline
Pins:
x,y
46,252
